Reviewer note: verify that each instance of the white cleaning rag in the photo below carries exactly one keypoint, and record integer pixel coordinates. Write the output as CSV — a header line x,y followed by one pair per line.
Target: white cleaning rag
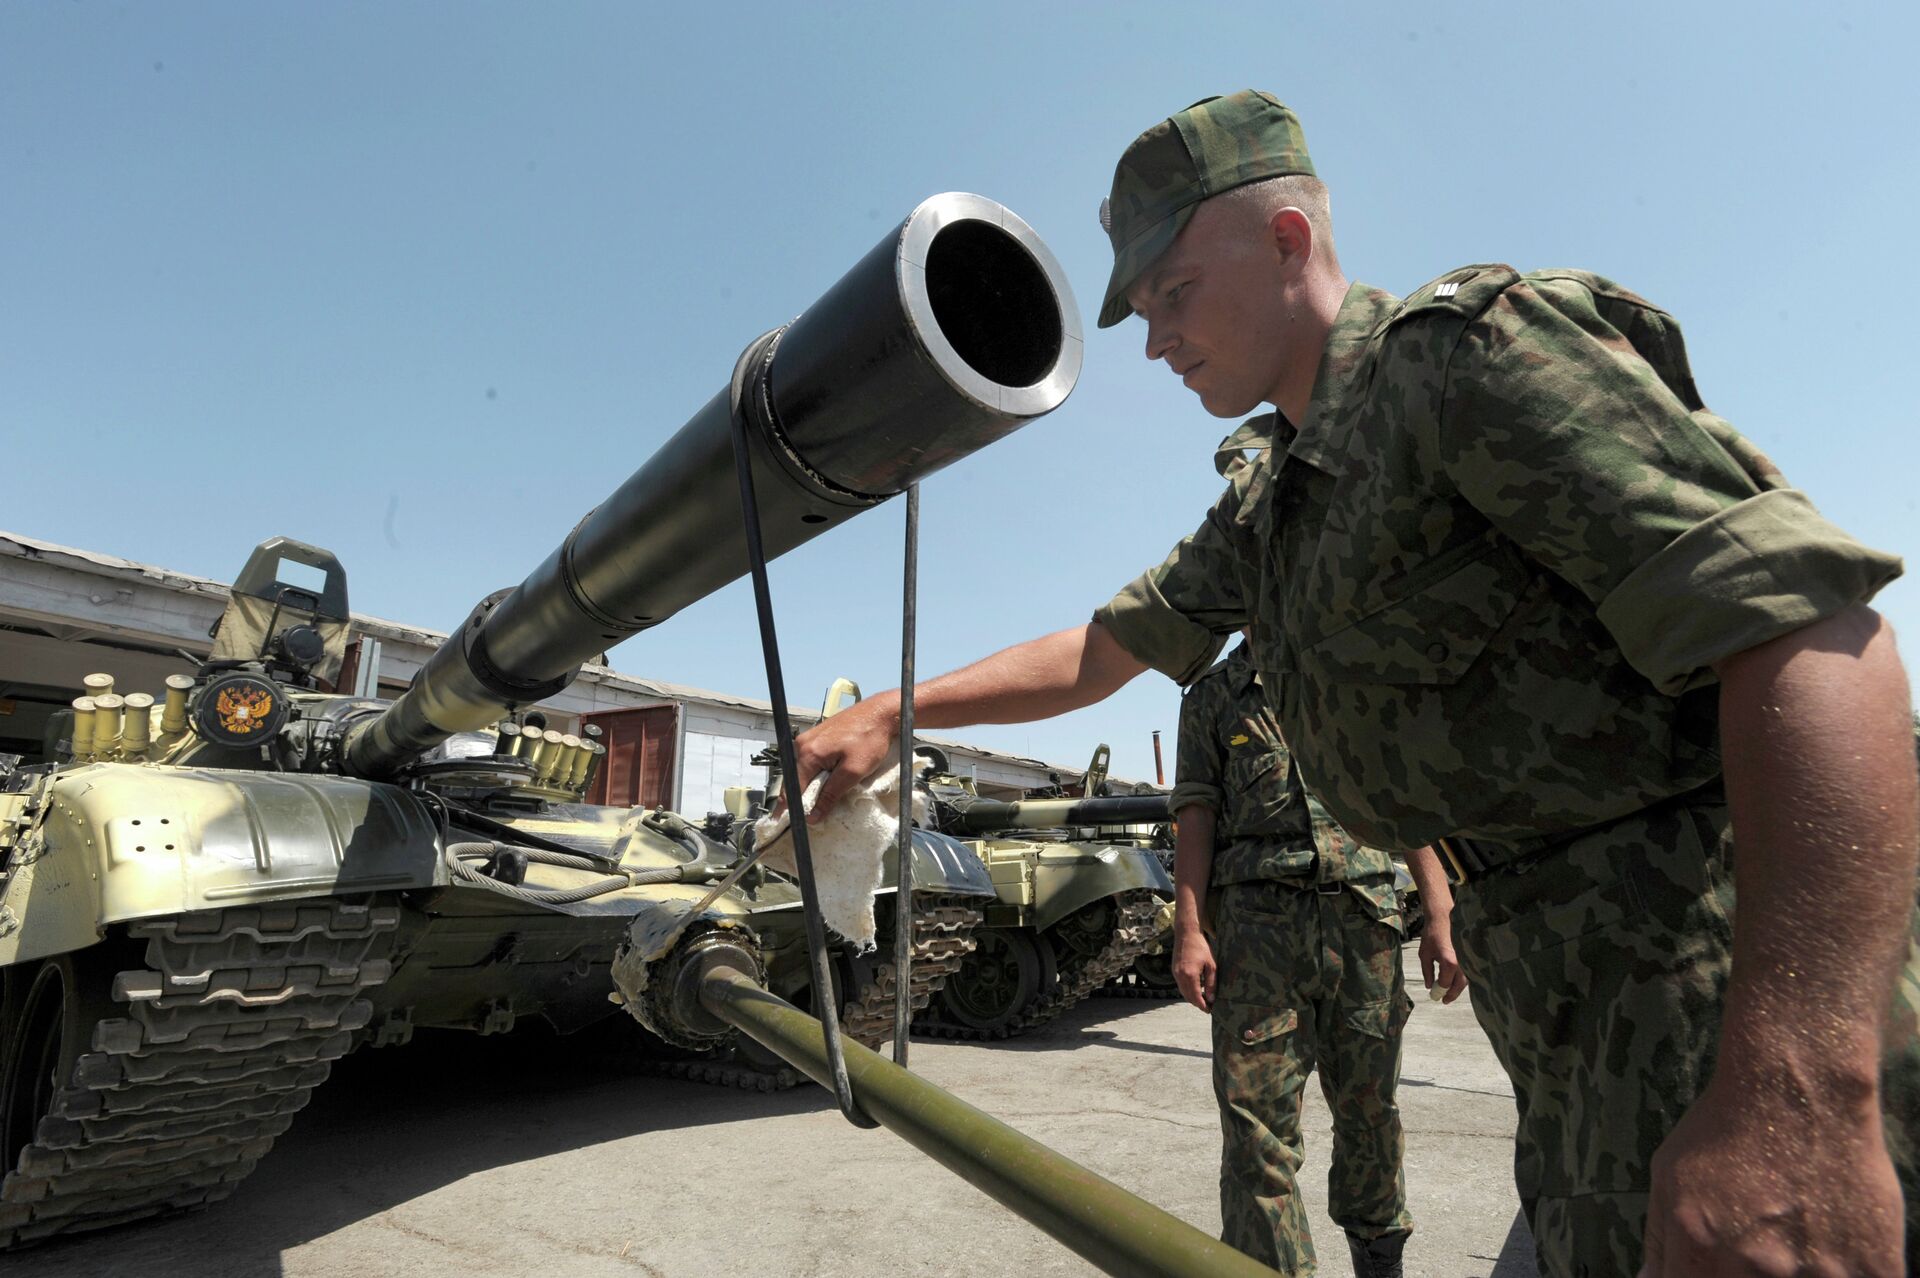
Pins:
x,y
849,850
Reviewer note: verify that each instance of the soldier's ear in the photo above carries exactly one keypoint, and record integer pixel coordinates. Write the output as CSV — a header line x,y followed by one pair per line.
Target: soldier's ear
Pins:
x,y
1292,235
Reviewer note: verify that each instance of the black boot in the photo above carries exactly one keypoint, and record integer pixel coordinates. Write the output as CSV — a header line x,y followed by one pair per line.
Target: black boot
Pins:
x,y
1376,1257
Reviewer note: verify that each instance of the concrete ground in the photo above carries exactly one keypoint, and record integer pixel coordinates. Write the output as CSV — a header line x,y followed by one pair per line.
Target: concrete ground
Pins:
x,y
480,1157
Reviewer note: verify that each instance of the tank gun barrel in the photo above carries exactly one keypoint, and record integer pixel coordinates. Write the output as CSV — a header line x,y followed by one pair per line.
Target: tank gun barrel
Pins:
x,y
985,816
1102,1222
957,328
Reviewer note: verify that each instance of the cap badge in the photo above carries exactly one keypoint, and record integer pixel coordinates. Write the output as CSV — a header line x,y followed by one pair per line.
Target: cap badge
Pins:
x,y
1106,215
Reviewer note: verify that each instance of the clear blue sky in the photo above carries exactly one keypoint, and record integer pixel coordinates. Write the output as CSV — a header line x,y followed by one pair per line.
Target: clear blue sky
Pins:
x,y
422,283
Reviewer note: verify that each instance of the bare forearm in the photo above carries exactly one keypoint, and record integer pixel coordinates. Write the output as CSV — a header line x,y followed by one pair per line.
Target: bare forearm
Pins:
x,y
1818,750
1436,897
1780,1165
1192,866
1034,680
1037,679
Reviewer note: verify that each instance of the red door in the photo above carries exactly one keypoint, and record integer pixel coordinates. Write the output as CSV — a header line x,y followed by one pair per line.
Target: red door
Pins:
x,y
638,769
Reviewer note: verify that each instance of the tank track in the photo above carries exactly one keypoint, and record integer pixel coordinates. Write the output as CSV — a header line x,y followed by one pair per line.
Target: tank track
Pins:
x,y
942,939
234,1021
1134,931
943,928
727,1073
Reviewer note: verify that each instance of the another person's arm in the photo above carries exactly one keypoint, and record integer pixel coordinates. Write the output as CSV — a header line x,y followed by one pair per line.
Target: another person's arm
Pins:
x,y
1818,747
1438,965
1193,965
1034,680
1170,618
1199,766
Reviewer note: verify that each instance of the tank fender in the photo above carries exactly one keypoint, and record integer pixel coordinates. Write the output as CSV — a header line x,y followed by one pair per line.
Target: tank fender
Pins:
x,y
124,841
943,864
1072,875
47,907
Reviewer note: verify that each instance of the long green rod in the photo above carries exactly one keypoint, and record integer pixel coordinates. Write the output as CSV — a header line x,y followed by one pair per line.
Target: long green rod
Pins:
x,y
1110,1227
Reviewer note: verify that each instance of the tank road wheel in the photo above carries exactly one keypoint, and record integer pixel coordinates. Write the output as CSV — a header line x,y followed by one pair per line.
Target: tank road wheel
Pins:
x,y
34,1055
1153,976
1081,935
1096,943
49,1020
1007,970
944,930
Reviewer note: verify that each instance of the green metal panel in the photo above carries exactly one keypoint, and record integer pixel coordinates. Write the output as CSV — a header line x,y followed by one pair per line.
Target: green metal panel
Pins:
x,y
1071,875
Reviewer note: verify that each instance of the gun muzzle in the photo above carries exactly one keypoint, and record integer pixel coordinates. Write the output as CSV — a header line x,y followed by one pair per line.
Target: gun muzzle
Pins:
x,y
957,328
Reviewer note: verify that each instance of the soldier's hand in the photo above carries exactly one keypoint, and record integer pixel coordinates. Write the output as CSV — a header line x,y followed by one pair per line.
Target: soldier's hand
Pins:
x,y
852,745
1765,1177
1193,967
1438,965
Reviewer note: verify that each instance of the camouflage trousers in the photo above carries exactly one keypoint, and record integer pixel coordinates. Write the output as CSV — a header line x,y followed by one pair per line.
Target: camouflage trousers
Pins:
x,y
1598,970
1306,979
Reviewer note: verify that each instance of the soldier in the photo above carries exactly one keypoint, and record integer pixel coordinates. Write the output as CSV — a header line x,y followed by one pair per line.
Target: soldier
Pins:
x,y
1305,955
1536,606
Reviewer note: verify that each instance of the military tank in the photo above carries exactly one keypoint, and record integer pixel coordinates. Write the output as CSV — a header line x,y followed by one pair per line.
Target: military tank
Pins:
x,y
206,900
1079,902
1151,976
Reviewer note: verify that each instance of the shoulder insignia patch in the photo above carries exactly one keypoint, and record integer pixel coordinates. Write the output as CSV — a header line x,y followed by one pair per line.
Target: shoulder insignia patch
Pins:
x,y
1238,738
1460,292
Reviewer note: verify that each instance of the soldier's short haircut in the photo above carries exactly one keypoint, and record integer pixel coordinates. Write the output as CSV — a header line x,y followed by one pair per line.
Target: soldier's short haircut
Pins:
x,y
1299,191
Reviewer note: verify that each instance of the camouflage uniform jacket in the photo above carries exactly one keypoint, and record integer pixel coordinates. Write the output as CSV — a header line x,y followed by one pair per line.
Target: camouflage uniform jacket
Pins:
x,y
1234,761
1490,570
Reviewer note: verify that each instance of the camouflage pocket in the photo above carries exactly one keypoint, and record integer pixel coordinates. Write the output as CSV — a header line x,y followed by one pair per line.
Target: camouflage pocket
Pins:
x,y
1431,633
1249,766
1250,1024
1382,1019
1380,902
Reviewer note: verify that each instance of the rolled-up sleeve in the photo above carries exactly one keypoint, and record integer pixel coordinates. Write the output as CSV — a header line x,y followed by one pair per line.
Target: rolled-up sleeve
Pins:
x,y
1198,764
1759,569
1571,444
1176,617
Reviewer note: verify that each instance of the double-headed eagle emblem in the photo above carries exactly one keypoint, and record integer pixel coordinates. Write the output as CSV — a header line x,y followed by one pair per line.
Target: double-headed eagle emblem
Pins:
x,y
243,710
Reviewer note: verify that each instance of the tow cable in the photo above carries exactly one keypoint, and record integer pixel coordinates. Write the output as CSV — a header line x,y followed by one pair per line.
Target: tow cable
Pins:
x,y
824,1001
903,875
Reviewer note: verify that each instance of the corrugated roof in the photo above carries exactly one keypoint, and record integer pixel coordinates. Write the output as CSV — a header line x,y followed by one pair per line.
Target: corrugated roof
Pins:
x,y
17,546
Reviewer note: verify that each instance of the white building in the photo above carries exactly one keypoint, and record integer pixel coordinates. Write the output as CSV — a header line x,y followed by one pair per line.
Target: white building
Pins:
x,y
65,613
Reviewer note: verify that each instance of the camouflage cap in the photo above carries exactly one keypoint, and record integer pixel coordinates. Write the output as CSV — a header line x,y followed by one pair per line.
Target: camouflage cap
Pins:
x,y
1213,146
